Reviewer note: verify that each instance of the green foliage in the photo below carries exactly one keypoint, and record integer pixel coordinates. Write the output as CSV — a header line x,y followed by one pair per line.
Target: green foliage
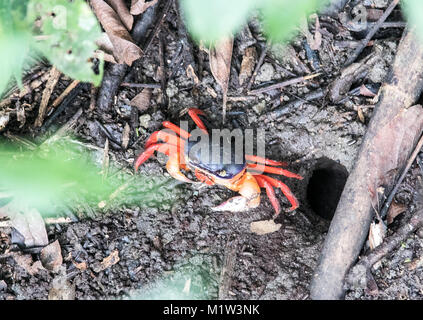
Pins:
x,y
413,9
68,29
64,174
71,30
211,20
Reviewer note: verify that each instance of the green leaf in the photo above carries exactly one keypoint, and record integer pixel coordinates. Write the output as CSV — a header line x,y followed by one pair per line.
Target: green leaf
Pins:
x,y
282,17
413,9
63,173
70,29
211,20
14,41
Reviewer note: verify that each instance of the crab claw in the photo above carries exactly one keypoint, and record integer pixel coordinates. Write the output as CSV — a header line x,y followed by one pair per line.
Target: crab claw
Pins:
x,y
235,204
249,197
173,166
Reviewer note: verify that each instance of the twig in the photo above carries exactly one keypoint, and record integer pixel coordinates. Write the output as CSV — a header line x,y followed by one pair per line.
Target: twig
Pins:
x,y
66,102
227,269
410,161
107,134
371,33
158,25
163,70
257,68
141,85
279,112
283,84
63,95
357,274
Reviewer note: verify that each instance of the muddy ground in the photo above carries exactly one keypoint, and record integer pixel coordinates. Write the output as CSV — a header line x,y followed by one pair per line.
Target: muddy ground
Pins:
x,y
161,250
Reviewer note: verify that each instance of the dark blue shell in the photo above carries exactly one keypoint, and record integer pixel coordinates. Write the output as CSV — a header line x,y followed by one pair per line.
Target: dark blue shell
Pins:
x,y
199,158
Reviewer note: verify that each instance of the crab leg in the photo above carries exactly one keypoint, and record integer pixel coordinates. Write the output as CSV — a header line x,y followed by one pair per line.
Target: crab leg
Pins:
x,y
184,134
285,190
262,160
203,178
173,166
193,113
167,137
148,152
263,183
280,171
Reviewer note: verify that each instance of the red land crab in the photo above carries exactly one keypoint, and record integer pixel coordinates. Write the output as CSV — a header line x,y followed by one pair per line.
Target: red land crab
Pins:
x,y
234,176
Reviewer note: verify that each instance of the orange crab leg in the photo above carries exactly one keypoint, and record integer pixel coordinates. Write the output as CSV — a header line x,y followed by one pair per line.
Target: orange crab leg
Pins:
x,y
173,166
263,183
184,134
164,136
148,152
203,178
258,159
285,190
194,112
280,171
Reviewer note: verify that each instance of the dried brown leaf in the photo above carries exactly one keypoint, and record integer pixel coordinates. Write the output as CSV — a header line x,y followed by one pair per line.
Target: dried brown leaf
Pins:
x,y
191,74
124,48
247,64
377,233
125,136
364,91
264,227
54,76
122,10
51,256
220,65
139,6
360,115
142,100
111,260
25,261
394,210
80,266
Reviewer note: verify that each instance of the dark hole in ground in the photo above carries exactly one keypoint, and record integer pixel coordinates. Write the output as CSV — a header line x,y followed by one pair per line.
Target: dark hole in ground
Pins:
x,y
325,187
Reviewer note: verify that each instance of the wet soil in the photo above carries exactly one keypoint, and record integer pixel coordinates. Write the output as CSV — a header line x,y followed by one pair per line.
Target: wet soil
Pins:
x,y
163,251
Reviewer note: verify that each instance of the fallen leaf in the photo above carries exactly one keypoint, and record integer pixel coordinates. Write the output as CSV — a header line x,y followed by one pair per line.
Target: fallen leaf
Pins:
x,y
80,266
62,289
124,48
139,6
142,100
191,74
264,227
20,113
107,262
54,77
316,41
247,64
122,10
364,91
394,210
377,233
51,256
125,136
28,224
360,115
220,65
25,261
4,120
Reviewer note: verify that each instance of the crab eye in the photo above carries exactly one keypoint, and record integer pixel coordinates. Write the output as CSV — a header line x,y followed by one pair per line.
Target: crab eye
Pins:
x,y
222,173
